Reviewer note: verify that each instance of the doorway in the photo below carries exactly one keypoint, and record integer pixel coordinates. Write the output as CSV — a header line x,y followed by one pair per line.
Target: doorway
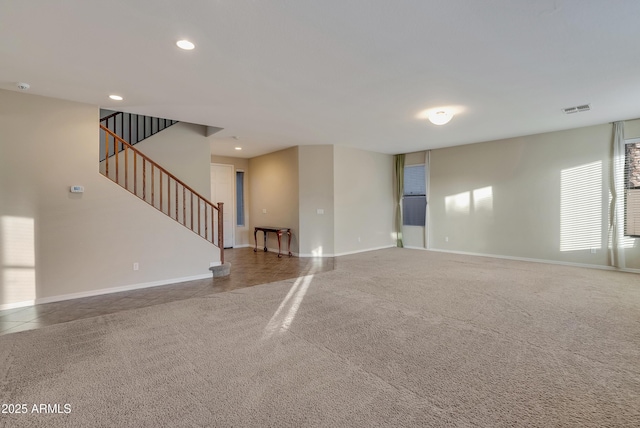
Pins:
x,y
222,190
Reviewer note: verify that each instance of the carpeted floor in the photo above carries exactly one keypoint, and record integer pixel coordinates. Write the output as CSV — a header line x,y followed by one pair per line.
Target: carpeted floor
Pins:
x,y
389,338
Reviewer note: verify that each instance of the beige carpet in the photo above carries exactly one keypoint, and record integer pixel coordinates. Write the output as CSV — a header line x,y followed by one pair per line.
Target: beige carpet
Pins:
x,y
390,338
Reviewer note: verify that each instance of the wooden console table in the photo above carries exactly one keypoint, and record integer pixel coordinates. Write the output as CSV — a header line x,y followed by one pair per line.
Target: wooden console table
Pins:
x,y
278,231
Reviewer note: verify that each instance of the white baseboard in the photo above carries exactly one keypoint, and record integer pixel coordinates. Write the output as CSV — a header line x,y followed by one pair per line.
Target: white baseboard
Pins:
x,y
311,255
364,250
347,253
526,259
242,246
102,291
16,305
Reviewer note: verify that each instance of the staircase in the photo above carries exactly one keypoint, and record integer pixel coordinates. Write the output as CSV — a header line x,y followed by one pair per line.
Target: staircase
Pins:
x,y
128,167
134,128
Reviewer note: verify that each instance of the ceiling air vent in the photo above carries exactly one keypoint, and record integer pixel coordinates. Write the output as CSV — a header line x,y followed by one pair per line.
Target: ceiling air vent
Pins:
x,y
577,109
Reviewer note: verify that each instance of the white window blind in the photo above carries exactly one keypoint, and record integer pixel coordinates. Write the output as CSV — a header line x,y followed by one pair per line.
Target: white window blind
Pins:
x,y
414,202
632,188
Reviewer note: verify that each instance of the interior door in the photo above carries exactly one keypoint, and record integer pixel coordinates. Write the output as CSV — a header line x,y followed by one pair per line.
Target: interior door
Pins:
x,y
222,185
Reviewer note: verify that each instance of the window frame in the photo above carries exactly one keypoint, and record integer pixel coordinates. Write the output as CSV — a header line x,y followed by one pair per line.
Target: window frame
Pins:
x,y
239,187
627,188
416,199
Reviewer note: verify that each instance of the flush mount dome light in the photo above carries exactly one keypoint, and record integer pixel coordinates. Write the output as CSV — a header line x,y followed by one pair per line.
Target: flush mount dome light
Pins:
x,y
440,117
185,44
238,148
116,97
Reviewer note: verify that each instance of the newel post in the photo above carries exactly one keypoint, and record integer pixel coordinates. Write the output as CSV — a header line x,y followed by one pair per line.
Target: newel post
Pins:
x,y
220,233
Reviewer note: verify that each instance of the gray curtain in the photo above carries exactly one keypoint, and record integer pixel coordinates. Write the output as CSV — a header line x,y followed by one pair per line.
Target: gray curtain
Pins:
x,y
399,192
616,187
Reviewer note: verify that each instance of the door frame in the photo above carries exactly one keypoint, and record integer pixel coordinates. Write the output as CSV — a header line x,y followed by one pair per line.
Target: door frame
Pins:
x,y
233,196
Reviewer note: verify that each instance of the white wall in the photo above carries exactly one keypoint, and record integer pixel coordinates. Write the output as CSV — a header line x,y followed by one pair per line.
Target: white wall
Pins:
x,y
316,193
363,200
543,197
56,243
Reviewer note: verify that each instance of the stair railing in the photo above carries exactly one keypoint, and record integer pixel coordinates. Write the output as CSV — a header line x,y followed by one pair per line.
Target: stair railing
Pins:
x,y
134,128
137,173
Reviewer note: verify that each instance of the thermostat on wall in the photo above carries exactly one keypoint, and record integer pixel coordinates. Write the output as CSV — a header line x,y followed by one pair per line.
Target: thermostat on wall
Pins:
x,y
77,189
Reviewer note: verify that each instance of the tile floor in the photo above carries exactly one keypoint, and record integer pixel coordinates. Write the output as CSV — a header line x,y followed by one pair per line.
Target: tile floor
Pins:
x,y
247,269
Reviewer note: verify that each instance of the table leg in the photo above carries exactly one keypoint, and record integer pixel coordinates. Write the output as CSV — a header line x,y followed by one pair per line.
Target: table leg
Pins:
x,y
289,248
255,238
279,233
265,241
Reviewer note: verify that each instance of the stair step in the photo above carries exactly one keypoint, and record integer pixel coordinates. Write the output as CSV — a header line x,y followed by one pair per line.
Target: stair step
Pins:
x,y
221,270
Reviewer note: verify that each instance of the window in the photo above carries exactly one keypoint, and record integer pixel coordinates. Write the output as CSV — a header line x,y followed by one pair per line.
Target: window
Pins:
x,y
414,201
632,188
239,198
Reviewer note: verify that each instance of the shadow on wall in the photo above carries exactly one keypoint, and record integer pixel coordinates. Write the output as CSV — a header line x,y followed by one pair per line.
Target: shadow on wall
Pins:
x,y
18,262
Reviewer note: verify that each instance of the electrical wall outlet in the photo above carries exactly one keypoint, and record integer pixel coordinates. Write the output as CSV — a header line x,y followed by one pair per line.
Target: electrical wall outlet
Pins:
x,y
264,211
446,239
136,266
320,211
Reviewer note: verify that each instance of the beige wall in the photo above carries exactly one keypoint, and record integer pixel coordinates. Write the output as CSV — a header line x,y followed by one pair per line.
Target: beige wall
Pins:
x,y
542,196
184,151
363,200
53,242
274,187
243,237
632,129
416,158
316,193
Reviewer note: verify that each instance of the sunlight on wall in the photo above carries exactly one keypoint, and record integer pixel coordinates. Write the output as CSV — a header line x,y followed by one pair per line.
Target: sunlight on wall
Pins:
x,y
18,261
317,252
581,207
459,204
480,200
286,312
483,199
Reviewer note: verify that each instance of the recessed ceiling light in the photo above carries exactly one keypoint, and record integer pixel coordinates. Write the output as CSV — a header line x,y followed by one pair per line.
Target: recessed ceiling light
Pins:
x,y
238,148
185,44
116,97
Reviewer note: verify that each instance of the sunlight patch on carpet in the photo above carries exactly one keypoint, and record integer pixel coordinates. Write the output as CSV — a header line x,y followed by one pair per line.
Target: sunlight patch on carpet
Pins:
x,y
283,317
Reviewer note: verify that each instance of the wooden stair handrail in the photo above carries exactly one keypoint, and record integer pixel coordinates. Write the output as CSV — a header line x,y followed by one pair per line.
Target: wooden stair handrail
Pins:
x,y
155,164
110,116
185,187
142,132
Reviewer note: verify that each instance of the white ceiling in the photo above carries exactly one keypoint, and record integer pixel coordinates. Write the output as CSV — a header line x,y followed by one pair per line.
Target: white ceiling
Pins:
x,y
279,73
